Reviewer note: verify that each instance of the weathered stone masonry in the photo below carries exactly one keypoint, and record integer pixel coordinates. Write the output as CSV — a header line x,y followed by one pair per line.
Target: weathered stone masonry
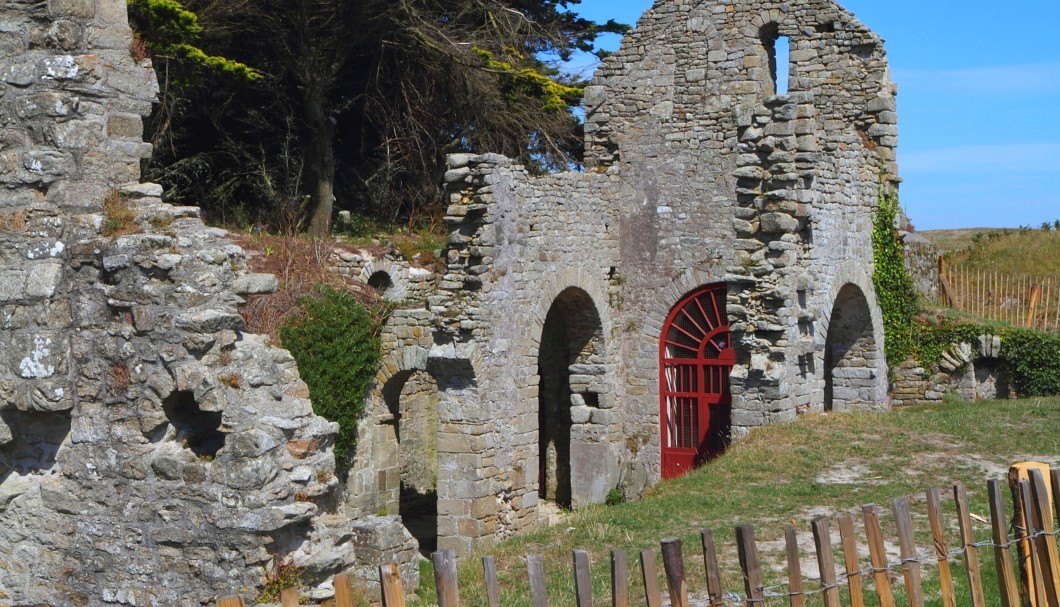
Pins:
x,y
546,323
151,452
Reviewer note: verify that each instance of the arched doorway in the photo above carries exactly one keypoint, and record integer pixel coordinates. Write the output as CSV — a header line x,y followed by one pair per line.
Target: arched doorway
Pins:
x,y
412,398
695,359
850,364
571,339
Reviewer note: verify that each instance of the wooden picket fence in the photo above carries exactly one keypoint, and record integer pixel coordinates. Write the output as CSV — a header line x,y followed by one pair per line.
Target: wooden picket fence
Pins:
x,y
1019,300
1035,582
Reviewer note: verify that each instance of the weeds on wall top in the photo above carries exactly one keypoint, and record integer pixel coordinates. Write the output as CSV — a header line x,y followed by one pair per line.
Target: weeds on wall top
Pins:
x,y
894,287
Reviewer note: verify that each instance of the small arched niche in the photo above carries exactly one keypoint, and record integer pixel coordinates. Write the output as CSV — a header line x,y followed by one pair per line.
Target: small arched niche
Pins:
x,y
381,281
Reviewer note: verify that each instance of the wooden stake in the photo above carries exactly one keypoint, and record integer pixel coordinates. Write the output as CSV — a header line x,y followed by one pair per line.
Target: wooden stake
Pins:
x,y
535,571
878,555
289,598
445,578
1006,577
619,579
650,575
850,558
791,543
1046,543
493,589
1033,559
971,551
934,509
231,601
390,582
907,546
713,573
822,539
583,583
674,565
344,590
752,572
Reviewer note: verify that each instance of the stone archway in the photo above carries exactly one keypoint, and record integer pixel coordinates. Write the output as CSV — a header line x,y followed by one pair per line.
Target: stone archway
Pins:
x,y
411,397
570,359
851,352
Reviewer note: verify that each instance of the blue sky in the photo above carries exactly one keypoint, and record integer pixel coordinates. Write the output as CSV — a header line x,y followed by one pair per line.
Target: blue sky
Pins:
x,y
978,104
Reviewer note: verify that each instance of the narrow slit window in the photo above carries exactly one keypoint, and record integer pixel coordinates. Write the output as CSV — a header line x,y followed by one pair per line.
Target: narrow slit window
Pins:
x,y
781,64
778,54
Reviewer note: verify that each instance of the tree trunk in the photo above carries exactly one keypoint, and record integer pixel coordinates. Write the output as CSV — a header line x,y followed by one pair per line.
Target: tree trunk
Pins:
x,y
319,166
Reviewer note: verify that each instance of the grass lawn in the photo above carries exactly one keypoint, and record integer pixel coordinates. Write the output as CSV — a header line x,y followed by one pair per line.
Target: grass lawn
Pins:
x,y
828,464
1024,252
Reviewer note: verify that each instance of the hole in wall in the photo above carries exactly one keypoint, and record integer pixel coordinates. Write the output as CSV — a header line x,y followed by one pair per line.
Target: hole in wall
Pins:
x,y
35,440
380,281
194,428
778,56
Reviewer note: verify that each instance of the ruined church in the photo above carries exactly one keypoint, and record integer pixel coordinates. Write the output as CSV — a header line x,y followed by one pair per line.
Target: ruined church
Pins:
x,y
708,272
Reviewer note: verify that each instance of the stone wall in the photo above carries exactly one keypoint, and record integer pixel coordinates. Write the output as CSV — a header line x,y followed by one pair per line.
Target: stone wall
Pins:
x,y
557,287
922,262
151,451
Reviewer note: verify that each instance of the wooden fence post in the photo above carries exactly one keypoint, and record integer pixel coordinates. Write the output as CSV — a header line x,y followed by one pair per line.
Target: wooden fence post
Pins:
x,y
231,601
650,575
822,539
907,546
934,509
752,571
390,583
1032,561
674,565
289,597
489,574
850,559
619,579
878,555
1035,298
971,551
713,572
795,593
1006,577
1043,515
583,582
535,571
344,590
445,578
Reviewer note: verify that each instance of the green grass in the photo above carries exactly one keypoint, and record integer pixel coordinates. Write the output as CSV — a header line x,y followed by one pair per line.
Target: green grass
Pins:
x,y
785,475
1029,252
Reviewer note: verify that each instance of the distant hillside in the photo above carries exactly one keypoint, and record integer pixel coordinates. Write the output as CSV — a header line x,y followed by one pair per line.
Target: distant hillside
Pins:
x,y
1008,250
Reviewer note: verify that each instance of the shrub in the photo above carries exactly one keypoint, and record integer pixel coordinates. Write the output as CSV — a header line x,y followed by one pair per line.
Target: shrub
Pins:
x,y
337,346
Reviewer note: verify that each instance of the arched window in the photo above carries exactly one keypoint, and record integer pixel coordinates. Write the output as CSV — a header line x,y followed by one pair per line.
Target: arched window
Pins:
x,y
695,359
778,55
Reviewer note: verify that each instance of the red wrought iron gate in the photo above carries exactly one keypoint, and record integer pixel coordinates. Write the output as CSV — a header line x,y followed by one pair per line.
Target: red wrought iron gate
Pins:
x,y
695,358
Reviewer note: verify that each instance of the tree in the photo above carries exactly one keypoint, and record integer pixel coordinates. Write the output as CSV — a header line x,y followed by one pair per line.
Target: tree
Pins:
x,y
365,97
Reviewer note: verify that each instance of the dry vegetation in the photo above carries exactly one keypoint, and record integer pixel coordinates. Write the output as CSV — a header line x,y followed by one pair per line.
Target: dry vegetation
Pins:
x,y
300,264
119,216
1033,252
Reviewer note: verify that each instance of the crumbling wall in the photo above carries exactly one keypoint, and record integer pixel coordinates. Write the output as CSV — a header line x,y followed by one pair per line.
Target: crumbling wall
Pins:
x,y
151,452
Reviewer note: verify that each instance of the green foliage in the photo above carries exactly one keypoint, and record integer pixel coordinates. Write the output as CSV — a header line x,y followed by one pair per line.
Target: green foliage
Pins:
x,y
894,286
614,498
170,29
1032,358
336,344
530,82
284,574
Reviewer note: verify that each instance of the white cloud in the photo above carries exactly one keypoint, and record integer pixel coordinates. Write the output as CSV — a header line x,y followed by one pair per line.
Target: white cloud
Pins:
x,y
1033,80
984,159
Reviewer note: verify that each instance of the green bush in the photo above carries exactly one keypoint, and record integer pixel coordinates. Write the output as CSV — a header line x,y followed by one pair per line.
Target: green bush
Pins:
x,y
337,346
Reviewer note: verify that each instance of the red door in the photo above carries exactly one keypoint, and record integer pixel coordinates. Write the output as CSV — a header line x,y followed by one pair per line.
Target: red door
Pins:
x,y
695,358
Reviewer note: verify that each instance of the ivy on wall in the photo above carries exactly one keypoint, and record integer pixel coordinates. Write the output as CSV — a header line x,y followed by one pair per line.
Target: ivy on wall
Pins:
x,y
1032,358
894,287
337,346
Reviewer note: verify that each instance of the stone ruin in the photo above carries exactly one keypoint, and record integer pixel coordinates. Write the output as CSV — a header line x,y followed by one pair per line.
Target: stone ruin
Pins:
x,y
708,272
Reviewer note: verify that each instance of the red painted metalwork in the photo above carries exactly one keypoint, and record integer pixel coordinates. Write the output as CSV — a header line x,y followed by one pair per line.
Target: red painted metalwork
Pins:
x,y
695,358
